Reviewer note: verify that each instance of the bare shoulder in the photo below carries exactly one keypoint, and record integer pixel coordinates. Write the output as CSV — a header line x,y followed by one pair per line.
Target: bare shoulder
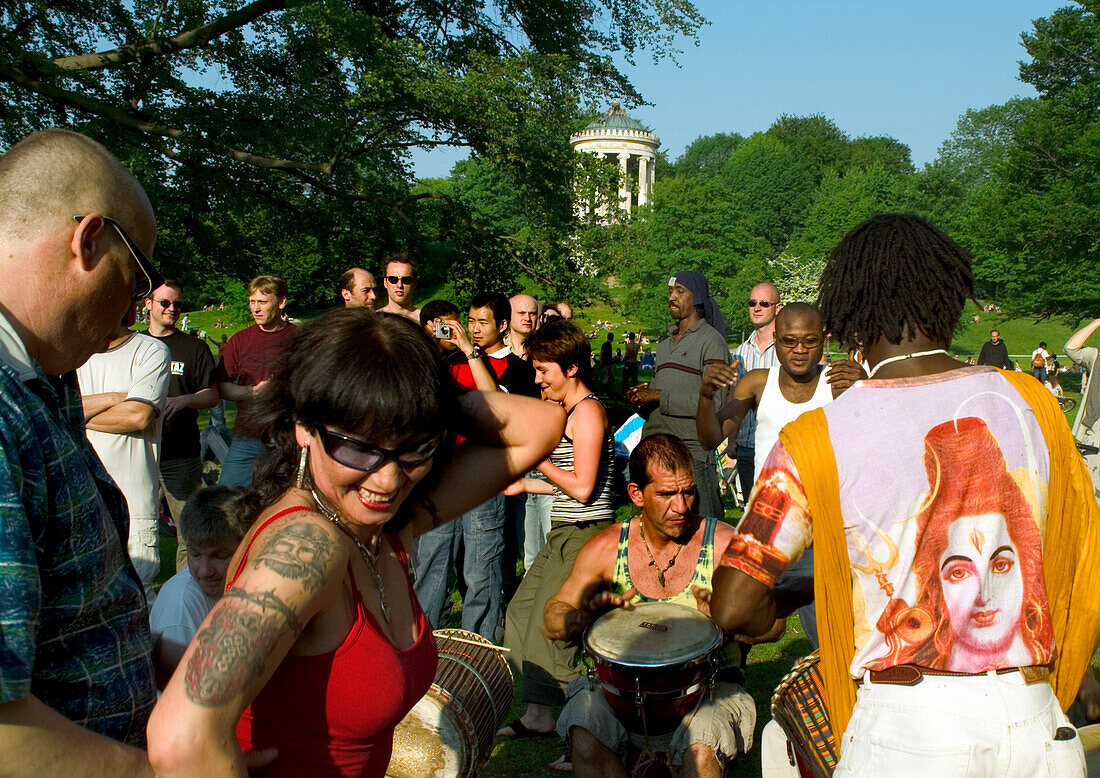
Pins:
x,y
300,545
723,534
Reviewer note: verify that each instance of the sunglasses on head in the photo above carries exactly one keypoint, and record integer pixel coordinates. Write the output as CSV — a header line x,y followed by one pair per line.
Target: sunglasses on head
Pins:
x,y
150,277
166,304
761,303
359,455
406,280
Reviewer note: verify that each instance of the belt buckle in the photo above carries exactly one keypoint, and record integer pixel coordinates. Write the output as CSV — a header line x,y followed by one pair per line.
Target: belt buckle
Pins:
x,y
1034,674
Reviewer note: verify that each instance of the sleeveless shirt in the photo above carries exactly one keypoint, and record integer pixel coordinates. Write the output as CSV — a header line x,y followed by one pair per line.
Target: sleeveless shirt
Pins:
x,y
730,656
775,412
332,715
598,507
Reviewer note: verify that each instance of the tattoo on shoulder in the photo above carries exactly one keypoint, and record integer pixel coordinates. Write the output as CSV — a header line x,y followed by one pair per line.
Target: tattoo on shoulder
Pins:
x,y
299,552
230,651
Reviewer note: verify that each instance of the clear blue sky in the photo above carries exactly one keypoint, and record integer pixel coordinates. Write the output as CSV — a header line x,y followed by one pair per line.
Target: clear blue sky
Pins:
x,y
904,68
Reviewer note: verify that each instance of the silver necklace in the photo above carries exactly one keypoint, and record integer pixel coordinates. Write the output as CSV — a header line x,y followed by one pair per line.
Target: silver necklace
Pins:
x,y
914,355
370,558
653,560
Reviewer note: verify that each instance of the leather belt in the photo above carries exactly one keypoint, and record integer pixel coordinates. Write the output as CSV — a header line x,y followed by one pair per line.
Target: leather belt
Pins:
x,y
911,675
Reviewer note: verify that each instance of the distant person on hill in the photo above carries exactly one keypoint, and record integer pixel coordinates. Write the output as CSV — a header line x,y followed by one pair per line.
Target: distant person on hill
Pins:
x,y
399,277
1039,359
606,361
357,287
244,365
630,361
994,352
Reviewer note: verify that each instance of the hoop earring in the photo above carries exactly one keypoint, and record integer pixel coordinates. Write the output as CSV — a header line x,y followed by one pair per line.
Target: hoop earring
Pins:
x,y
303,467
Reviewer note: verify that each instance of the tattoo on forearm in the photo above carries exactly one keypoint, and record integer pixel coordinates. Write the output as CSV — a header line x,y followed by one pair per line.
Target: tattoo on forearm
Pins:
x,y
299,552
230,651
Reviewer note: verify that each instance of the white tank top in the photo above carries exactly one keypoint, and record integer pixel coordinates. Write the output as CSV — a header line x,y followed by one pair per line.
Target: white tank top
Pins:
x,y
775,412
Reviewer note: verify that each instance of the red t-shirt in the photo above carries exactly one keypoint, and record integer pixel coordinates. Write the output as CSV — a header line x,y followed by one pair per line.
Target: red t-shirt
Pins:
x,y
246,360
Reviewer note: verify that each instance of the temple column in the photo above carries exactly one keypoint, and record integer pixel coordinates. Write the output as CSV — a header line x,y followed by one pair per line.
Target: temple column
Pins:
x,y
624,180
643,180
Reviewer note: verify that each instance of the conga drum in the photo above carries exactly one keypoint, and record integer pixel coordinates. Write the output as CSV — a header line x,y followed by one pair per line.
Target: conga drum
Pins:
x,y
449,733
655,662
798,706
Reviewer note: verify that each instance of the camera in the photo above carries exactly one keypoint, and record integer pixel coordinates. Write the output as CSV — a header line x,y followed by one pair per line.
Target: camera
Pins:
x,y
442,331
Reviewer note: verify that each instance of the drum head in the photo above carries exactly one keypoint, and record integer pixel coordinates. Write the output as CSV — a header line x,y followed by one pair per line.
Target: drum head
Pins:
x,y
652,634
428,743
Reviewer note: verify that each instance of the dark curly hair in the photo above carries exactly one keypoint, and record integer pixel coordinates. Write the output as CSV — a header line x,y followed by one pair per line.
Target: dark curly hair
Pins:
x,y
895,272
372,374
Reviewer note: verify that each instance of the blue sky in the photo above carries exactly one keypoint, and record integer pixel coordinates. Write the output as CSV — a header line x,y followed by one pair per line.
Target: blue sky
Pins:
x,y
902,68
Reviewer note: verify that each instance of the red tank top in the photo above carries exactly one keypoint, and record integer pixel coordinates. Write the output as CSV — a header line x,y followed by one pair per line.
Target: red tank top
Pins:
x,y
332,715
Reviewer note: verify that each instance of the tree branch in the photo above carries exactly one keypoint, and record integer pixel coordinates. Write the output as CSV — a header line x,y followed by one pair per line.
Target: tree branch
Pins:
x,y
199,36
136,121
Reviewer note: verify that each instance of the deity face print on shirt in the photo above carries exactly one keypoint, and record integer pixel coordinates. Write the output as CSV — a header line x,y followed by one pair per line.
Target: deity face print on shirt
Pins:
x,y
982,585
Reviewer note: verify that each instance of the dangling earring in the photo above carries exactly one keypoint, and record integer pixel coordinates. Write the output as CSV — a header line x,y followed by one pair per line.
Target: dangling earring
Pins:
x,y
303,467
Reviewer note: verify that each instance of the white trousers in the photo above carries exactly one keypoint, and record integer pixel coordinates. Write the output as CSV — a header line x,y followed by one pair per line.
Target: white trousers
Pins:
x,y
943,727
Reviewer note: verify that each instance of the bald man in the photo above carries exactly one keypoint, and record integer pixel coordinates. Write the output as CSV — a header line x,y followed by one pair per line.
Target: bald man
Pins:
x,y
358,288
525,316
757,352
76,673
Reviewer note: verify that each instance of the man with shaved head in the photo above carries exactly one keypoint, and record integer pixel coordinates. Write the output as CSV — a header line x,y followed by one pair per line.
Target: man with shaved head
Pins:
x,y
525,316
76,670
358,288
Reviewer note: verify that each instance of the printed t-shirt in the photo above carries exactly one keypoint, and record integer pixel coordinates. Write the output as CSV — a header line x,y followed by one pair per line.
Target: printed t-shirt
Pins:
x,y
943,489
247,359
191,370
138,368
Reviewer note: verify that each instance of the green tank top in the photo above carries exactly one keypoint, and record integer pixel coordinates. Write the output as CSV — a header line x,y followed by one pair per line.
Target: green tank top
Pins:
x,y
730,653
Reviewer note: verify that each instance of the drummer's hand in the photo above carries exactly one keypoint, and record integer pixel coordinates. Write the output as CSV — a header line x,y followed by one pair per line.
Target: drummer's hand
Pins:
x,y
1089,695
608,598
702,599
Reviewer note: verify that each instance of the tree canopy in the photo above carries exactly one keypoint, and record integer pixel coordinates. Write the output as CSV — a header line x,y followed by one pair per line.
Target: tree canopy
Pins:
x,y
276,135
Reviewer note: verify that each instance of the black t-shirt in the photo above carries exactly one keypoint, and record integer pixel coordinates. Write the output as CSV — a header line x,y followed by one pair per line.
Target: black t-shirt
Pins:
x,y
191,369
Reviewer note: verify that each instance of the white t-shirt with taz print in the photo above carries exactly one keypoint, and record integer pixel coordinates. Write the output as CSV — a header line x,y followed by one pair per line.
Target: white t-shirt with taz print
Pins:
x,y
138,368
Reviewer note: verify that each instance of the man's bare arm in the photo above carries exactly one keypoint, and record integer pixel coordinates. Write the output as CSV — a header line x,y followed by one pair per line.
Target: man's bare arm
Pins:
x,y
37,741
95,404
715,425
584,593
741,604
127,416
237,393
204,398
1079,338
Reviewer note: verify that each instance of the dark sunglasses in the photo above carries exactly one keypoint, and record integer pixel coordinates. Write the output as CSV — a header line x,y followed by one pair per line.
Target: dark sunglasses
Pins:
x,y
143,287
406,280
359,455
761,303
166,304
810,342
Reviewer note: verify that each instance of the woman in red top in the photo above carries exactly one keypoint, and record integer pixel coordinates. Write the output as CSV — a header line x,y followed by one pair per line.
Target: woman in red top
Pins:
x,y
319,647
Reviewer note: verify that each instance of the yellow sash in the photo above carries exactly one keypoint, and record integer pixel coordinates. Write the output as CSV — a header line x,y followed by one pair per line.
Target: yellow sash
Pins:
x,y
1071,542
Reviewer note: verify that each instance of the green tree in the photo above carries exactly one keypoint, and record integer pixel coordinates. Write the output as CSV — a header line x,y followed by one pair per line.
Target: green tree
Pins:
x,y
256,119
706,154
769,188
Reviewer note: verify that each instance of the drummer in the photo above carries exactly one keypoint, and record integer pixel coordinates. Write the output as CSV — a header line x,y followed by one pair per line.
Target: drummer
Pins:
x,y
666,554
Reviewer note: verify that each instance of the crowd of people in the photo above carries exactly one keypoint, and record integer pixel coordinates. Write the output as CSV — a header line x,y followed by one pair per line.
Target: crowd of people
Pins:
x,y
383,454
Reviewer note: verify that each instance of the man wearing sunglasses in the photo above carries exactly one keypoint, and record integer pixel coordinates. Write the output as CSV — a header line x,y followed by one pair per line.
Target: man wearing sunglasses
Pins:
x,y
757,352
191,387
399,276
76,671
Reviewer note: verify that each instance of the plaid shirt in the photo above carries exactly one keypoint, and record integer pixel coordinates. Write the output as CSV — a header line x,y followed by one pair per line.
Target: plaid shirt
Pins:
x,y
74,627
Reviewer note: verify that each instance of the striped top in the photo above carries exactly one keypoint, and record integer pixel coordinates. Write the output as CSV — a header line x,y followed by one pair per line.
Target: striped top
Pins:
x,y
678,376
598,507
704,568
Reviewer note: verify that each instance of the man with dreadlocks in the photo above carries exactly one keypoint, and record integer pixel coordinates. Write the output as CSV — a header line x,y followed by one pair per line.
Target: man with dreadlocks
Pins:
x,y
954,529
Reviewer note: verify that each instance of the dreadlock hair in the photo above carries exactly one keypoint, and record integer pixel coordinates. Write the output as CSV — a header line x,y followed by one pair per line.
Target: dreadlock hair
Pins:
x,y
894,274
